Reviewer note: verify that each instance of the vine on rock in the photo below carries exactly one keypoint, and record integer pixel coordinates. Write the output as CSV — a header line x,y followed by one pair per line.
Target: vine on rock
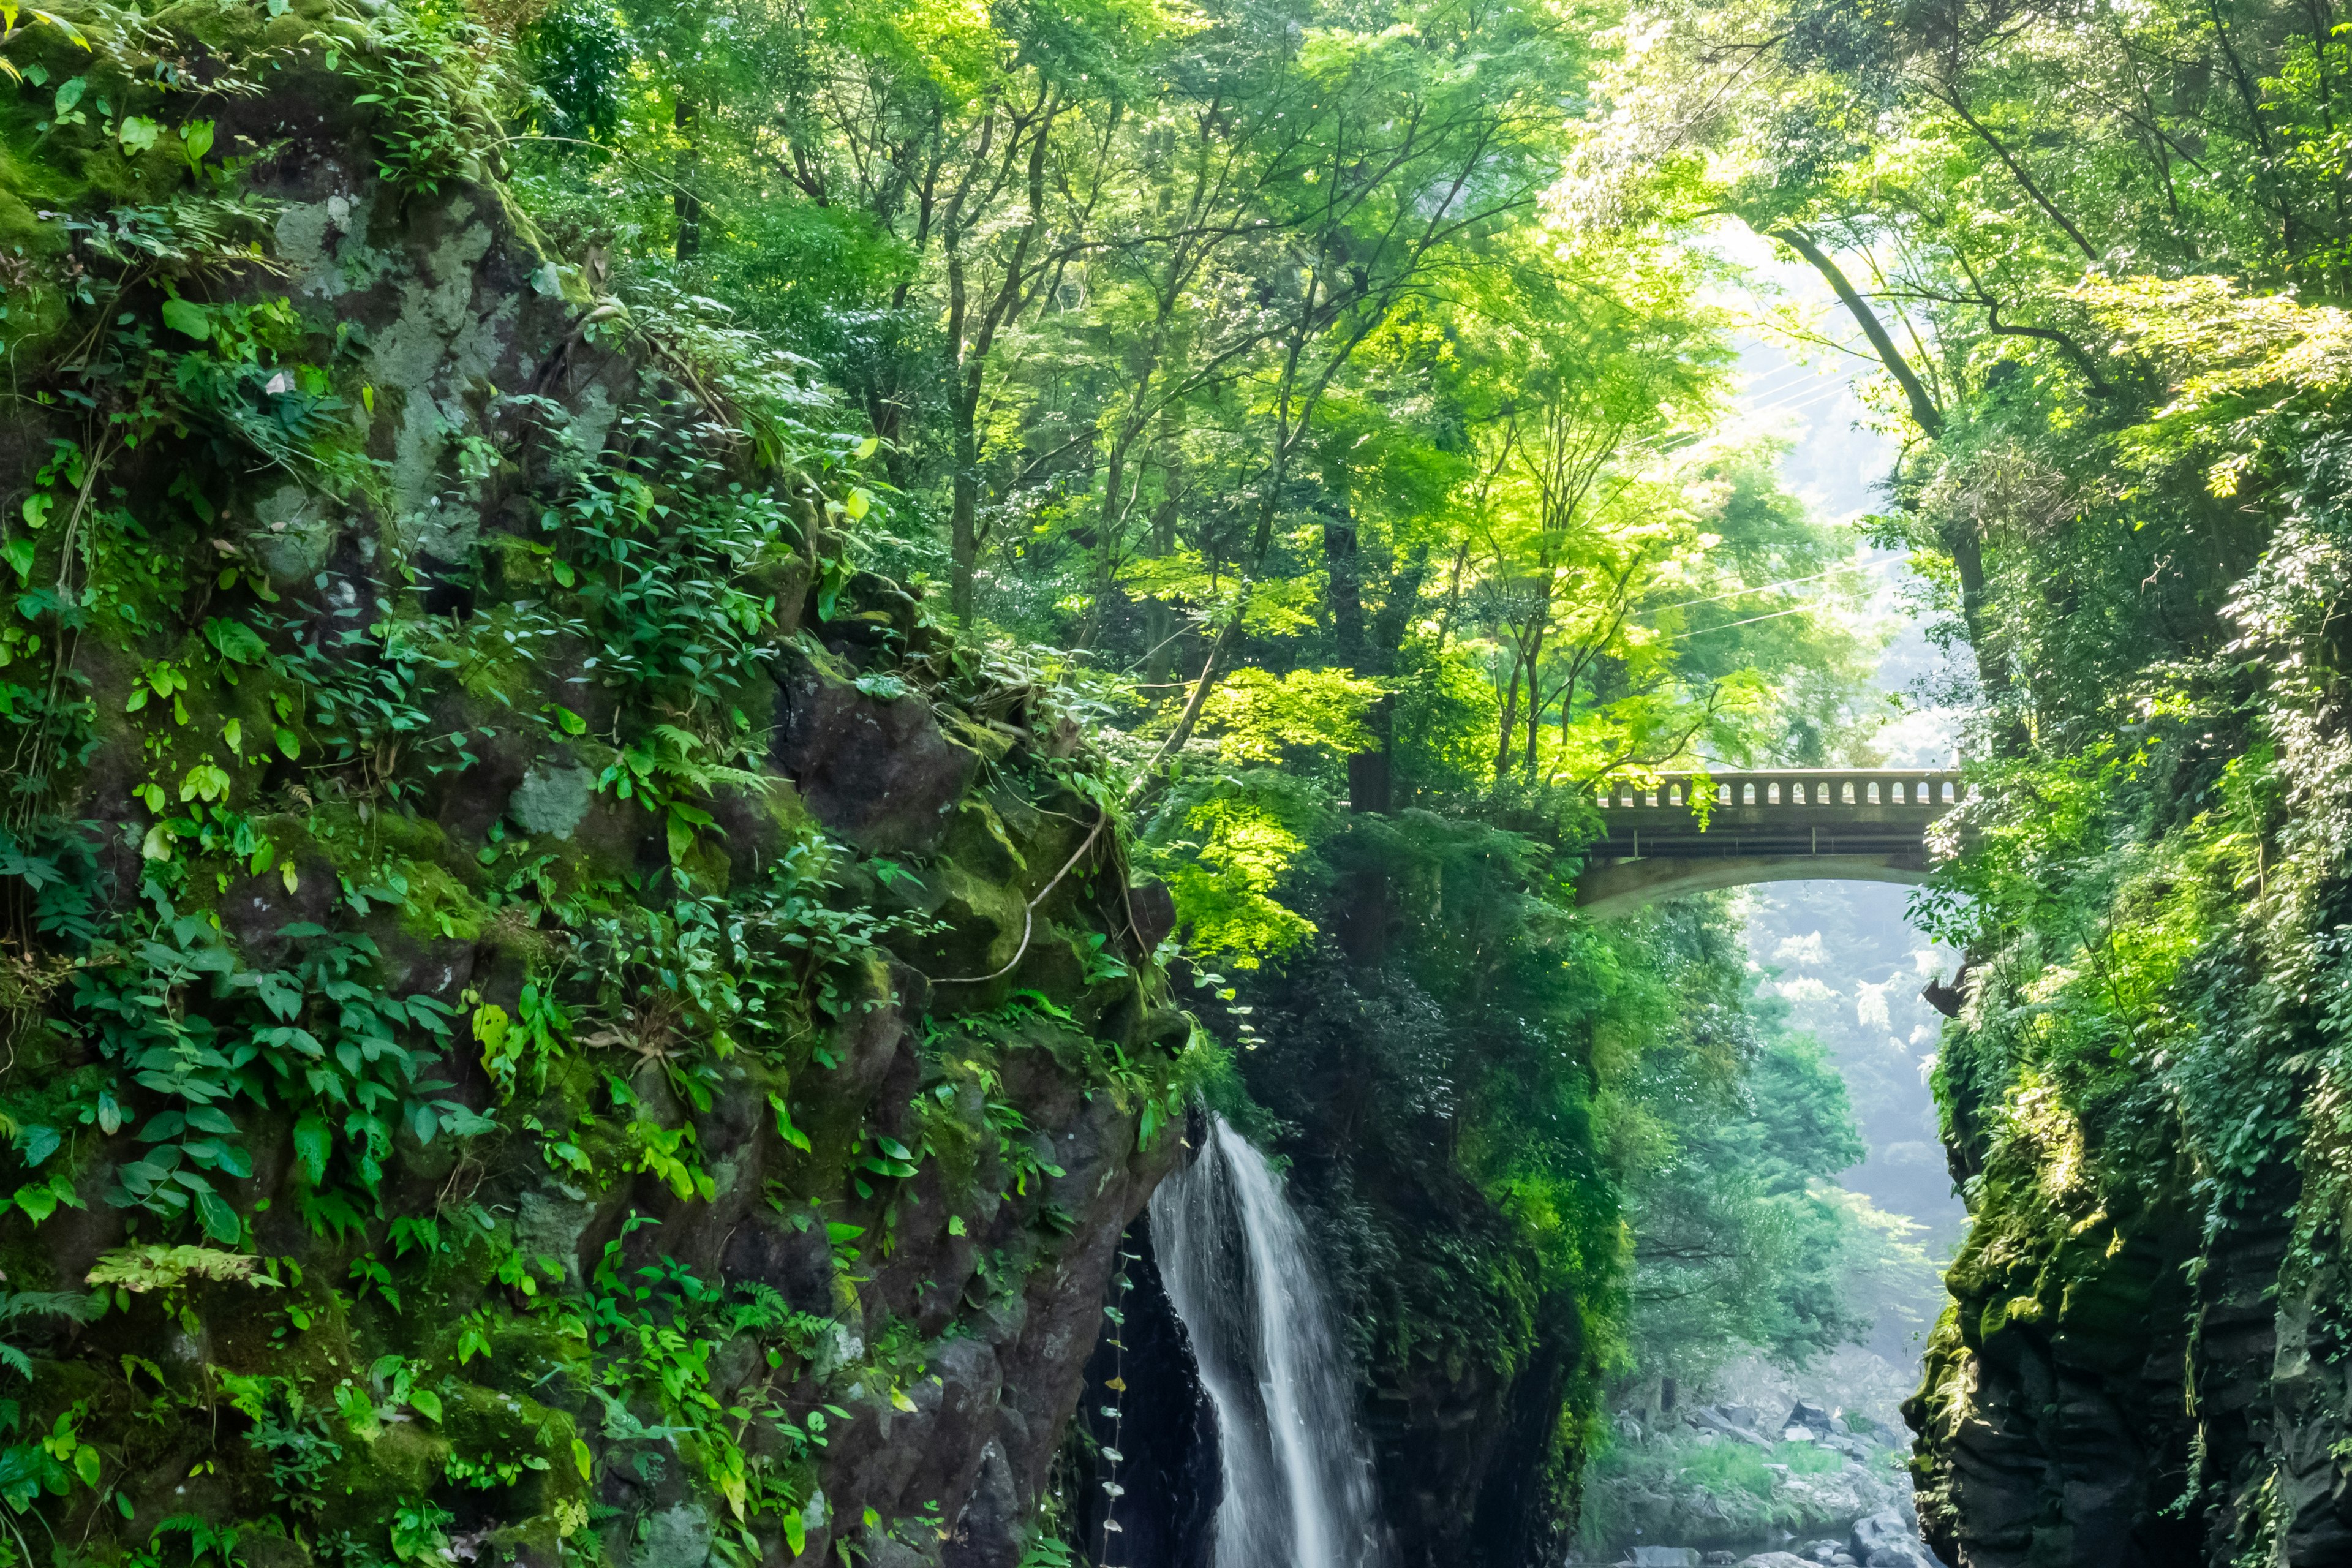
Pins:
x,y
474,837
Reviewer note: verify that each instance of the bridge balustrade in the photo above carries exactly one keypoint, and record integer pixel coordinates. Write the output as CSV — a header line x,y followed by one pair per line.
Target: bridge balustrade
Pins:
x,y
1847,787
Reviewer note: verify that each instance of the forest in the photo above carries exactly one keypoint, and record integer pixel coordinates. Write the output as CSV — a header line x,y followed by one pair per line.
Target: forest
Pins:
x,y
704,698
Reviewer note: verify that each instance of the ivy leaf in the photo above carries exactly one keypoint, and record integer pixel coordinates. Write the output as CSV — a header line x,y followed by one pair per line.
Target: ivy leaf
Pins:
x,y
314,1140
37,1143
219,1220
137,133
280,992
187,318
784,1128
211,1119
206,781
236,641
18,553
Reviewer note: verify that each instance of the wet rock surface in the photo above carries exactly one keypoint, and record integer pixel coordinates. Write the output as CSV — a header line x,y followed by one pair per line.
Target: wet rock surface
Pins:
x,y
1147,1427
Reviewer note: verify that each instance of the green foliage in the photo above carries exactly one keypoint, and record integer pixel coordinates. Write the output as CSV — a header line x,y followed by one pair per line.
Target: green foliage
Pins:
x,y
373,801
1740,1243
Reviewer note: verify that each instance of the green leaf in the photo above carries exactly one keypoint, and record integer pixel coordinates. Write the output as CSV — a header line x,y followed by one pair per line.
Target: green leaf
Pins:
x,y
288,742
795,1532
313,1142
137,133
219,1220
784,1128
18,553
188,319
236,641
86,1465
427,1403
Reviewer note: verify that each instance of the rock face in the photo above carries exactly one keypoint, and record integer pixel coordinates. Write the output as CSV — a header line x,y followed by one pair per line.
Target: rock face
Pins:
x,y
499,1067
1145,1404
2113,1383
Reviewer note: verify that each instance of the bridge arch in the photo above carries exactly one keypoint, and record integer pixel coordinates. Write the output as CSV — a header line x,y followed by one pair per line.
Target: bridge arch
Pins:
x,y
1692,833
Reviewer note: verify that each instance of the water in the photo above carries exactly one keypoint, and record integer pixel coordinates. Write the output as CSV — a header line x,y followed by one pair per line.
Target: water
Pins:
x,y
1298,1472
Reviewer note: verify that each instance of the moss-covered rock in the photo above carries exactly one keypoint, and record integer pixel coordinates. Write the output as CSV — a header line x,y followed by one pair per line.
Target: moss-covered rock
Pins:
x,y
551,1014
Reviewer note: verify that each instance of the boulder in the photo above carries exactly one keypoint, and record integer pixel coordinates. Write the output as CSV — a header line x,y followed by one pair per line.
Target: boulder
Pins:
x,y
1809,1416
1666,1557
877,770
1707,1418
1776,1560
1911,1554
1887,1540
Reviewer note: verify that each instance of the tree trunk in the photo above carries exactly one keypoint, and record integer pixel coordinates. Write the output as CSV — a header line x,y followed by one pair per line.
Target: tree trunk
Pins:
x,y
1159,620
963,516
1344,593
684,202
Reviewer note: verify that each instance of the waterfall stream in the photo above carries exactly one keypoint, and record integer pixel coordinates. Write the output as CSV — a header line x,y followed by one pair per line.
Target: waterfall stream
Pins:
x,y
1240,1273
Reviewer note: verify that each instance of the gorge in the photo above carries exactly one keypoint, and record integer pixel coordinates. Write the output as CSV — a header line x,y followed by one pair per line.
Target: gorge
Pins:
x,y
1097,782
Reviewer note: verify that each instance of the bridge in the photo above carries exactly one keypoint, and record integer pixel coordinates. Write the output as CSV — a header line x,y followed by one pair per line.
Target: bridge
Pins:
x,y
1853,825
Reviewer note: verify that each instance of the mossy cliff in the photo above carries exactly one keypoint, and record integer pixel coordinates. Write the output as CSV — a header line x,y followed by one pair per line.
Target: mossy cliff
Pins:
x,y
550,1015
2144,1361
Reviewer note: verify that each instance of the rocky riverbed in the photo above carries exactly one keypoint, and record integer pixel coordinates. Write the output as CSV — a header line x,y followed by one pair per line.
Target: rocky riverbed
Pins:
x,y
1728,1484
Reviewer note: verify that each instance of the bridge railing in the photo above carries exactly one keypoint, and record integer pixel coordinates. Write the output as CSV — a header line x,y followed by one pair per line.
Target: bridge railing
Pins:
x,y
1937,789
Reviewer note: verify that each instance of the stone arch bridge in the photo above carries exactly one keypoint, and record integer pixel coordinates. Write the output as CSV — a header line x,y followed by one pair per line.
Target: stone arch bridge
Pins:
x,y
1855,824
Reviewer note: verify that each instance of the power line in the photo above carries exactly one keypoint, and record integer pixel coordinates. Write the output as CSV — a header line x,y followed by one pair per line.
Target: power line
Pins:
x,y
1750,621
1879,564
1805,399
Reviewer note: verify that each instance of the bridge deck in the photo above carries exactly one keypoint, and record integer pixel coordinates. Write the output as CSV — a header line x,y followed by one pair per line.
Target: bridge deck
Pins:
x,y
1828,812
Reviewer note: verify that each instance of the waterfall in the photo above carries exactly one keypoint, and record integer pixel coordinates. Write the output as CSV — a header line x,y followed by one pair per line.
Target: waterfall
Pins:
x,y
1240,1273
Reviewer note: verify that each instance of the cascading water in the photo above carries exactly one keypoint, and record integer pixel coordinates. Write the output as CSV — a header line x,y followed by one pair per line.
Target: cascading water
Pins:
x,y
1239,1272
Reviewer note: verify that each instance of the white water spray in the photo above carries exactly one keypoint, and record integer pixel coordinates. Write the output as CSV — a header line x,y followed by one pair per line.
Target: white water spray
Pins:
x,y
1298,1472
